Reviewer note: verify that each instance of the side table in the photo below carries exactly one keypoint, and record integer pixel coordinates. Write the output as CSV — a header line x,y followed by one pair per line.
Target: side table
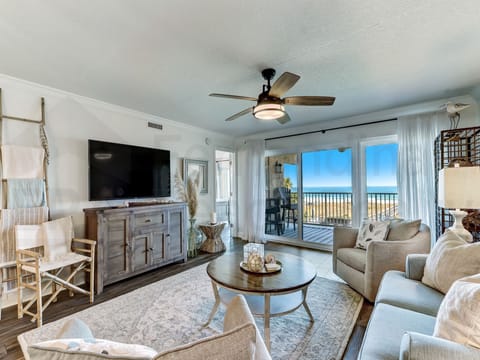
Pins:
x,y
213,243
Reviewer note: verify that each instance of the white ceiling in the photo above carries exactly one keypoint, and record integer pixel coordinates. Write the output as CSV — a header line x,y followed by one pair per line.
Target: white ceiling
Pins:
x,y
165,57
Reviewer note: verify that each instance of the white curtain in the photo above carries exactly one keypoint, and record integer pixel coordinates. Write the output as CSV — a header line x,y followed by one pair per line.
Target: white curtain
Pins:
x,y
416,165
223,180
254,196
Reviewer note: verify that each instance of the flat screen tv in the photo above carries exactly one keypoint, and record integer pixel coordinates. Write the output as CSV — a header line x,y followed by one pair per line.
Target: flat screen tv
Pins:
x,y
118,171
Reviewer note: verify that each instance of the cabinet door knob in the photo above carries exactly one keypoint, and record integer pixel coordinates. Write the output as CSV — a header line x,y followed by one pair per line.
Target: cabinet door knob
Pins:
x,y
150,249
148,220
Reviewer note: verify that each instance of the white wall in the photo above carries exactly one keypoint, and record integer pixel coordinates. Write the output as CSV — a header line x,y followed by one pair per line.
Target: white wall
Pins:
x,y
72,119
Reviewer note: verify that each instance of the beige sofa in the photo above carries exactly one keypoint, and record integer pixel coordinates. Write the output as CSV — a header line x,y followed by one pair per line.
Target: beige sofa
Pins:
x,y
364,269
240,340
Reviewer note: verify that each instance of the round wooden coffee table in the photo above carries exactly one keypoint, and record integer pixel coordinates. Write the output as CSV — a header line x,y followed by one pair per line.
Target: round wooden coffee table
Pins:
x,y
268,295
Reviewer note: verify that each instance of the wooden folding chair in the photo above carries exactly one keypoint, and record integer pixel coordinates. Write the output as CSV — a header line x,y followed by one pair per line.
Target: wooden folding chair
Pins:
x,y
31,264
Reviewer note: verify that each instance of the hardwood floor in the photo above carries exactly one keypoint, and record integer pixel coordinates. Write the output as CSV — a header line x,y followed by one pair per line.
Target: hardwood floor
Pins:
x,y
10,326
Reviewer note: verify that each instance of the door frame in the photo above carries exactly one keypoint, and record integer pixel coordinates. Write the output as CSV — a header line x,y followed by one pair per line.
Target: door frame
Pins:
x,y
233,185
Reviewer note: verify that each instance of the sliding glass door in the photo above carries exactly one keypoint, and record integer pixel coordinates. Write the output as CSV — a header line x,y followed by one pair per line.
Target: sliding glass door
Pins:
x,y
309,193
281,214
327,193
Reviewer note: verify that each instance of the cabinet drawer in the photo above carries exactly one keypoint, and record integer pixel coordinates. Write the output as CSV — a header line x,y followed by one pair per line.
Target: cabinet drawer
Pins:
x,y
148,219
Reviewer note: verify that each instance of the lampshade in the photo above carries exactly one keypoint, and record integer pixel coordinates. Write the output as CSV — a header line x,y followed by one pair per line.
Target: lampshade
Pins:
x,y
268,111
459,187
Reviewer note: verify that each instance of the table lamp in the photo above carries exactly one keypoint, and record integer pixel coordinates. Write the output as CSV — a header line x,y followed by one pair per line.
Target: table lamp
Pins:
x,y
459,188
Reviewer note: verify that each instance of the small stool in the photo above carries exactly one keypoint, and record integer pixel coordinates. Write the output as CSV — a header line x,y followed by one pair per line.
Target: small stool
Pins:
x,y
213,243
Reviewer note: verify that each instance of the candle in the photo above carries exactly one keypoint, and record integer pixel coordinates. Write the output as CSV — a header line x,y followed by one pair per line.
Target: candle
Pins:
x,y
213,218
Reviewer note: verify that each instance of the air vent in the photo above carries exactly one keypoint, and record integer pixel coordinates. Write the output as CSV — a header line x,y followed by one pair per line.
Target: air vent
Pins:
x,y
155,126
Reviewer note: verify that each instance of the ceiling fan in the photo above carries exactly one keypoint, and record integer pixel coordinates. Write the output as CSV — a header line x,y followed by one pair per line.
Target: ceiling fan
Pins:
x,y
269,102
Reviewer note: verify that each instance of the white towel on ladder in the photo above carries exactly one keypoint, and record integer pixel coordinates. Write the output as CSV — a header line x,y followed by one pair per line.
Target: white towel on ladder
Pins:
x,y
25,193
22,162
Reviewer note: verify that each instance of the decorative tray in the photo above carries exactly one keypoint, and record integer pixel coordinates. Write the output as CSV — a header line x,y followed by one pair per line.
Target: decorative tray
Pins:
x,y
243,266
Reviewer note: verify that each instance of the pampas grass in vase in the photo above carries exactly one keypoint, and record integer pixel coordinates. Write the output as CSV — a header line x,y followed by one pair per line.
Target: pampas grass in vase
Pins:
x,y
189,194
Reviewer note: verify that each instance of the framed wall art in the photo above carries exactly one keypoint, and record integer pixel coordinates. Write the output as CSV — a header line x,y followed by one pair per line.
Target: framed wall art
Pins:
x,y
192,167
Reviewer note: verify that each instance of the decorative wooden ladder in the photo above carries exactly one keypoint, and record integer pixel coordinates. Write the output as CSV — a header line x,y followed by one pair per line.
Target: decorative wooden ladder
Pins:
x,y
7,241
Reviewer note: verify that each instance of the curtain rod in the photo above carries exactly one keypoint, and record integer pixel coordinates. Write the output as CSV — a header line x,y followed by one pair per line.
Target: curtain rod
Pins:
x,y
335,128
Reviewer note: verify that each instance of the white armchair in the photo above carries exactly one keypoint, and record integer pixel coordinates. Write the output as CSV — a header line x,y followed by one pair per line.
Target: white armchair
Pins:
x,y
363,269
61,252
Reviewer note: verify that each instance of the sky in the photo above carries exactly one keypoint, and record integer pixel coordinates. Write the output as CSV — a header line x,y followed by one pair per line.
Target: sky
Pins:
x,y
333,167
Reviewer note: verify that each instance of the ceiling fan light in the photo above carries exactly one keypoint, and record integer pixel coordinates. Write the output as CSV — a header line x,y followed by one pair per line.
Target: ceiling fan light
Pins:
x,y
268,111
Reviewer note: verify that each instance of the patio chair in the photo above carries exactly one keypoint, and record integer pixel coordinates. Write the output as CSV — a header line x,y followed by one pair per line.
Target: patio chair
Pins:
x,y
44,252
287,206
273,216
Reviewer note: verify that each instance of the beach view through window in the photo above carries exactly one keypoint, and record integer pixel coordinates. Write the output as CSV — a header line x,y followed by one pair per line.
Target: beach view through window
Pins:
x,y
381,181
327,190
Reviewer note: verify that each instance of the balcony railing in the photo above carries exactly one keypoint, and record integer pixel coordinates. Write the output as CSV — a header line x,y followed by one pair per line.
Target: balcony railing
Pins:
x,y
382,205
335,208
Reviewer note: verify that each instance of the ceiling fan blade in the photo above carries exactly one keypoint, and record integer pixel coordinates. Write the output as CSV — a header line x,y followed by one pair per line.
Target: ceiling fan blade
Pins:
x,y
309,100
284,119
241,113
283,84
238,97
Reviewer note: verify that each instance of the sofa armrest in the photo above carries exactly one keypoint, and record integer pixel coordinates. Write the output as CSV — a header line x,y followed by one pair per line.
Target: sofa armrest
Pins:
x,y
414,266
343,237
389,255
238,314
419,346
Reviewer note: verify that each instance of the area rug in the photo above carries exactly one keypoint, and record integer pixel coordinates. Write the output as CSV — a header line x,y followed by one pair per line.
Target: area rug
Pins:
x,y
171,312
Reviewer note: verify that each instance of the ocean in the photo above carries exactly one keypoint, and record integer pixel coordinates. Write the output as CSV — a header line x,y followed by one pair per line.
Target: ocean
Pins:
x,y
348,189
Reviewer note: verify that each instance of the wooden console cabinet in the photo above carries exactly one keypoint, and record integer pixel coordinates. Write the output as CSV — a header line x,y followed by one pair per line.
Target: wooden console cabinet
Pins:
x,y
135,239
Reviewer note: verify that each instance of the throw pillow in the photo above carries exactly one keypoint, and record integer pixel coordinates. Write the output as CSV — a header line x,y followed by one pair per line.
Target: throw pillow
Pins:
x,y
58,235
103,349
75,328
458,317
403,229
451,258
371,230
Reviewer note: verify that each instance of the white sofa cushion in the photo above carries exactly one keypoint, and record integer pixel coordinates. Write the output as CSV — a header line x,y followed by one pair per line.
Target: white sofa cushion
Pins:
x,y
416,346
403,229
386,327
451,258
353,257
395,289
458,318
75,328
